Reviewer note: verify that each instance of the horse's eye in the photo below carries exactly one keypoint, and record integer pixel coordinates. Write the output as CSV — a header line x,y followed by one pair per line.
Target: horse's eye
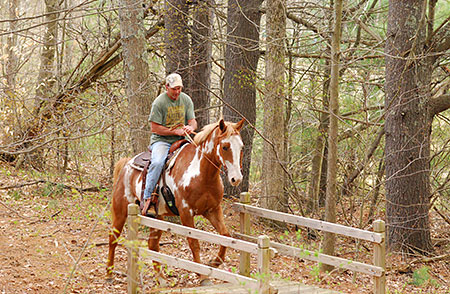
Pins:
x,y
225,148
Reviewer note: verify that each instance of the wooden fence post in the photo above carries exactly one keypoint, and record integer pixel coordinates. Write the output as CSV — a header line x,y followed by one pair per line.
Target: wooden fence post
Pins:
x,y
132,264
263,265
244,257
379,258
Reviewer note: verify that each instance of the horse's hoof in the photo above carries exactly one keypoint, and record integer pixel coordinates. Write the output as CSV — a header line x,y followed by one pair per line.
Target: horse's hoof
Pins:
x,y
214,262
206,282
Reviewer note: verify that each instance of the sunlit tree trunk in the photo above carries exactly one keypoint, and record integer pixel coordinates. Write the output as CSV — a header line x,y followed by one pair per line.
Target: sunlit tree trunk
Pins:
x,y
136,72
12,58
46,77
330,203
273,151
8,105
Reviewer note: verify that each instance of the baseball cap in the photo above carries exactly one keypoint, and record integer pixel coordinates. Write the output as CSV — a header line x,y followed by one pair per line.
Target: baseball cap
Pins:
x,y
174,80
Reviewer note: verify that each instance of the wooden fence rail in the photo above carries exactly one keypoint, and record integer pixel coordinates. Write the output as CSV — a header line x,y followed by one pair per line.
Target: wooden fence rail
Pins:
x,y
377,270
262,249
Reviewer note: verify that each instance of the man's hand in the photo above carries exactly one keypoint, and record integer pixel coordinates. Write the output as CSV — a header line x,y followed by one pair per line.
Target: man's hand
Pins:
x,y
188,129
179,132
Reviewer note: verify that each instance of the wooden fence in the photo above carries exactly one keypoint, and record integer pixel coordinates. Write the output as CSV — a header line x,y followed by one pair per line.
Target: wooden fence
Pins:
x,y
260,284
247,245
377,237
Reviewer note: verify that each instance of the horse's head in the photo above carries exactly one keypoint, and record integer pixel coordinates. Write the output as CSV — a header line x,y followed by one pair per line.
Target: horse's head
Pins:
x,y
229,149
223,144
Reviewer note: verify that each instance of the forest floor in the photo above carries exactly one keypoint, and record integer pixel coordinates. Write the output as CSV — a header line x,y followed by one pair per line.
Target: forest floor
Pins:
x,y
53,239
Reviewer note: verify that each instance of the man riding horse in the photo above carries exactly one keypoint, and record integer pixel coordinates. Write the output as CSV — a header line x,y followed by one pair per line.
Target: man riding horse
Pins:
x,y
172,117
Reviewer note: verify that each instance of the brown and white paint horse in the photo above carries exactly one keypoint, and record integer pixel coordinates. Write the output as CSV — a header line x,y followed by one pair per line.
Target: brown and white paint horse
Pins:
x,y
193,176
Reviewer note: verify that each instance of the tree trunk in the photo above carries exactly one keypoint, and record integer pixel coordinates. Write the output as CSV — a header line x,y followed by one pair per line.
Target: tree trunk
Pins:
x,y
274,99
201,61
12,60
318,158
330,203
46,78
408,127
241,61
139,93
176,37
8,106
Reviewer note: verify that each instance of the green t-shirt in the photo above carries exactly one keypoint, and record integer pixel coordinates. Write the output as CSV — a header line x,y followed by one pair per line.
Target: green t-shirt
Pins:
x,y
169,113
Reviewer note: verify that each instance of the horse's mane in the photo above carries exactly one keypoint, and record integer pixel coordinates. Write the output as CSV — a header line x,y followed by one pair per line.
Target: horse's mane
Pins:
x,y
203,135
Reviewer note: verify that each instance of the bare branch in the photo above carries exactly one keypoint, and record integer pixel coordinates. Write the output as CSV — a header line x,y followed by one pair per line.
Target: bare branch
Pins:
x,y
439,104
439,40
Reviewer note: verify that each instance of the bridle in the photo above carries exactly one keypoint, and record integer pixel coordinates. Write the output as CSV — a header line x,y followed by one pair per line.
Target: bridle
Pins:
x,y
190,140
206,156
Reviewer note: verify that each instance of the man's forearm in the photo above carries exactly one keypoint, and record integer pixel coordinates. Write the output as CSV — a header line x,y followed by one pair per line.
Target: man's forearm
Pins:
x,y
163,131
193,123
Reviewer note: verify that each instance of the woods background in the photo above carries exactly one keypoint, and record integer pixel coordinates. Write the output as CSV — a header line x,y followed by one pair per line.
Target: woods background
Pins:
x,y
346,102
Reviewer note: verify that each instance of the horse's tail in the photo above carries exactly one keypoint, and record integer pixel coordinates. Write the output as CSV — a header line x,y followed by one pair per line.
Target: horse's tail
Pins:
x,y
118,167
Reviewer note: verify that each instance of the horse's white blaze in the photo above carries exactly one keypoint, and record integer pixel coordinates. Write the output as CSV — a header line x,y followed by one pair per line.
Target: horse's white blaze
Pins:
x,y
234,168
128,193
218,154
193,170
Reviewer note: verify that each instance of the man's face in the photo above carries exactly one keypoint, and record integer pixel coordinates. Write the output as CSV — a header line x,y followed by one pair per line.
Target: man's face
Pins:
x,y
174,93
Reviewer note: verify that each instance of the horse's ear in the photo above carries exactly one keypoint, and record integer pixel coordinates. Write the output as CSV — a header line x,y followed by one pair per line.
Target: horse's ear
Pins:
x,y
240,124
222,125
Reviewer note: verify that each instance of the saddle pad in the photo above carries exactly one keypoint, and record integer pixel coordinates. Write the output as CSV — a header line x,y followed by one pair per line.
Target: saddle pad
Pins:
x,y
142,159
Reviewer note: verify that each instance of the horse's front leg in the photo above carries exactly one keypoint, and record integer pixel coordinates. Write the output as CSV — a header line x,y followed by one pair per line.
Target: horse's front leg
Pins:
x,y
216,218
187,219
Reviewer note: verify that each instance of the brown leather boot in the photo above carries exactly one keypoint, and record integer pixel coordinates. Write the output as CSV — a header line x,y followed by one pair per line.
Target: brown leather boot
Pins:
x,y
148,206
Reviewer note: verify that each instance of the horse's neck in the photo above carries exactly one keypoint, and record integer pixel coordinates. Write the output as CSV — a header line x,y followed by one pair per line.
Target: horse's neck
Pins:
x,y
208,156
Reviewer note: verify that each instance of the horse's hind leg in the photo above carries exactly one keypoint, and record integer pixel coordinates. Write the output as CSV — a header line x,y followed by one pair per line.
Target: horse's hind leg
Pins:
x,y
119,216
216,219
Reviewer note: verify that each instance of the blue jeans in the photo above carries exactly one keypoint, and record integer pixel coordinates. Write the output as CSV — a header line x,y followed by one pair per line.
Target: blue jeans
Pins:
x,y
160,150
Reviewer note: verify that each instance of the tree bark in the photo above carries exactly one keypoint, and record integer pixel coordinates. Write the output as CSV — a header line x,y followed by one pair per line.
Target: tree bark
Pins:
x,y
273,154
241,61
176,38
320,152
138,87
8,107
12,59
408,128
46,77
201,61
330,203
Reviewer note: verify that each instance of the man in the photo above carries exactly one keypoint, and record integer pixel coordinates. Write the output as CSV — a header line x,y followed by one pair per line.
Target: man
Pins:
x,y
171,118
